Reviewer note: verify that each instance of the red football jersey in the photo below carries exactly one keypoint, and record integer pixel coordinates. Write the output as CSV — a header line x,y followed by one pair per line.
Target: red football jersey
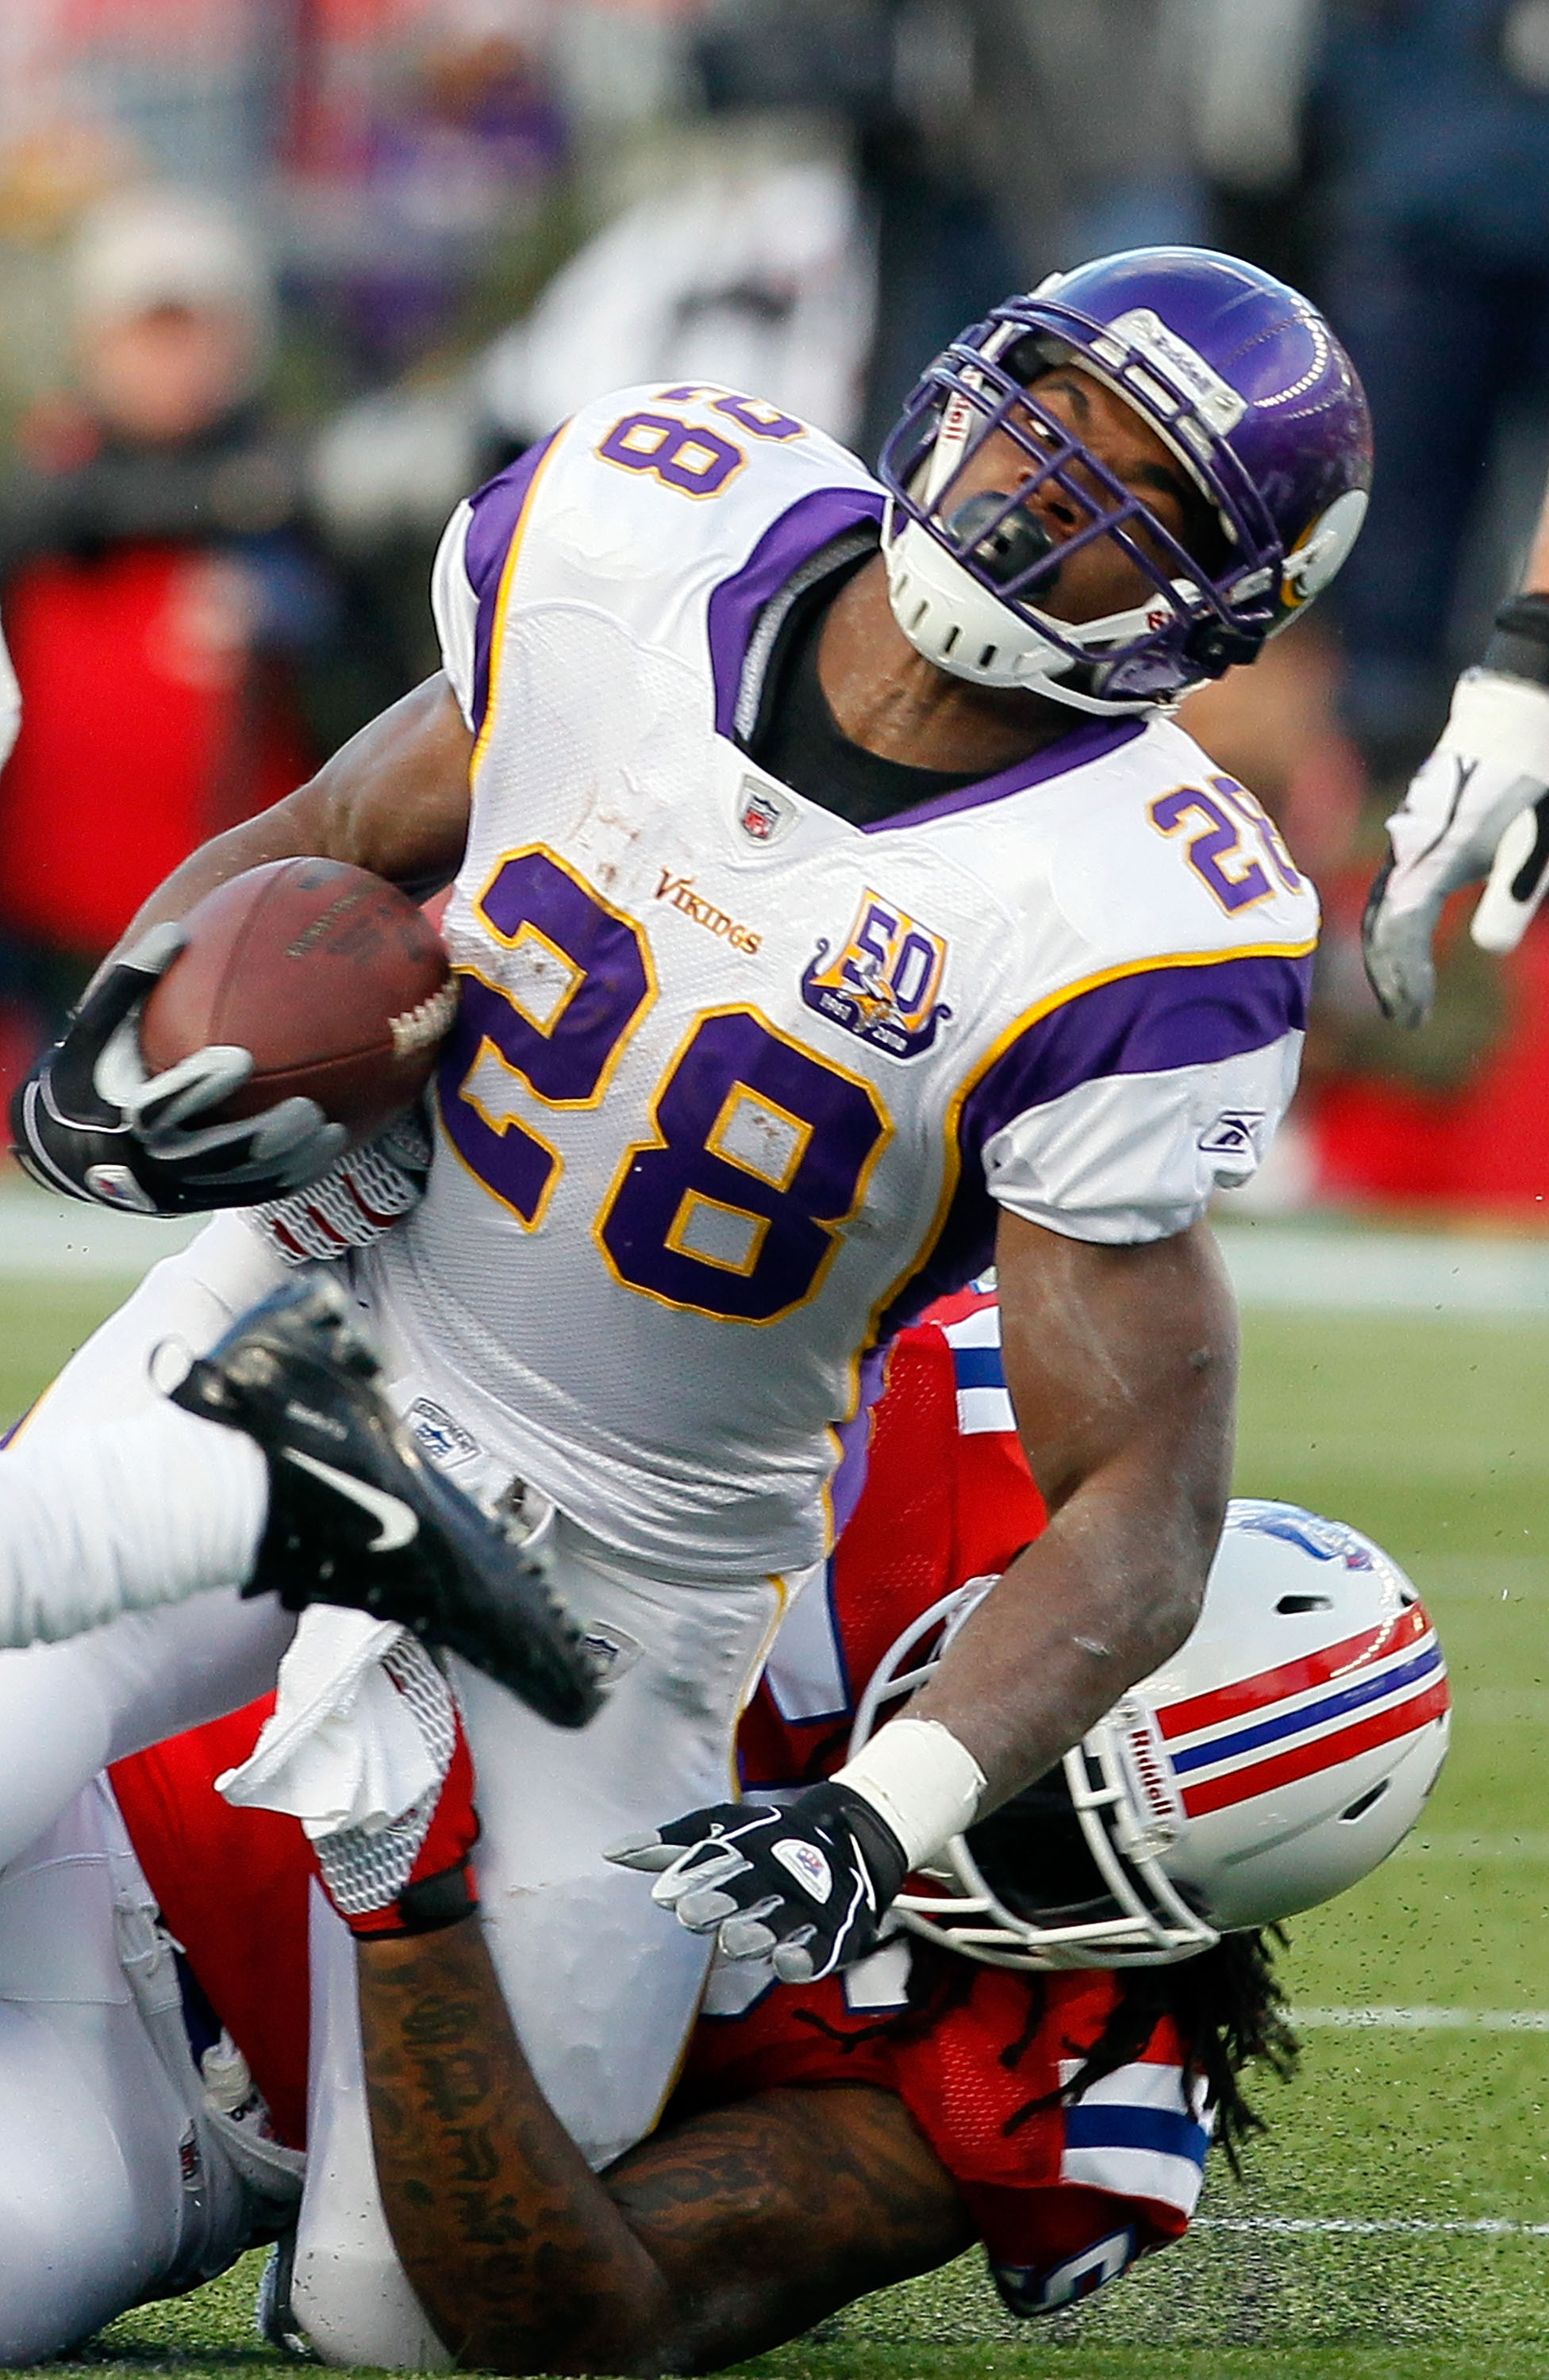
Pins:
x,y
948,1498
1064,2197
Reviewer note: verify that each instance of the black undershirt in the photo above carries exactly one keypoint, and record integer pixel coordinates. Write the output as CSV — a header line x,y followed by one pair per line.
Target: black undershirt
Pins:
x,y
797,740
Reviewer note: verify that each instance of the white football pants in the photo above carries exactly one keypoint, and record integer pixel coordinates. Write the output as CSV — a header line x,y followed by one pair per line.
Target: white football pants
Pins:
x,y
604,1985
68,1709
123,1516
115,2185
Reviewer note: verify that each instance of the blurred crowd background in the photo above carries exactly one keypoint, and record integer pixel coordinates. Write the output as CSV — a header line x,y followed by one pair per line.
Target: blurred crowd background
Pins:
x,y
281,280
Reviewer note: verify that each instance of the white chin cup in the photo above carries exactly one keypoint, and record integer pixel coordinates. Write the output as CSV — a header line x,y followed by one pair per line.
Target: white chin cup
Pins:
x,y
952,621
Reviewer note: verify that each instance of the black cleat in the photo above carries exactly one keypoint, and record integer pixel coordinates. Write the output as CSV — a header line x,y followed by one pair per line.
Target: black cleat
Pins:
x,y
357,1517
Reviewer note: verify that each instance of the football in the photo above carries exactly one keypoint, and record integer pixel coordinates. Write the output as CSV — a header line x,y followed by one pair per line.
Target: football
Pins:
x,y
333,980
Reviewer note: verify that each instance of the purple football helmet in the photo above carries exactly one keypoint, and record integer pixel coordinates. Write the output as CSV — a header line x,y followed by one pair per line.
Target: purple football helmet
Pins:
x,y
1240,378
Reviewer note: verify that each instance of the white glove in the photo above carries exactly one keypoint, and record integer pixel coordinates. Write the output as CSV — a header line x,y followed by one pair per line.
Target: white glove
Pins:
x,y
367,1191
1475,808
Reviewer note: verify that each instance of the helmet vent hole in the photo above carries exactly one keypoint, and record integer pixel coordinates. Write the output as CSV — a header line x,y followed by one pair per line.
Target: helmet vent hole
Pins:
x,y
950,639
1366,1801
986,657
1292,1604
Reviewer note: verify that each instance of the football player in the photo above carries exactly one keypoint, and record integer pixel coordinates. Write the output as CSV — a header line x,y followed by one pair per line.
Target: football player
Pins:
x,y
1054,2102
1479,806
835,902
118,2172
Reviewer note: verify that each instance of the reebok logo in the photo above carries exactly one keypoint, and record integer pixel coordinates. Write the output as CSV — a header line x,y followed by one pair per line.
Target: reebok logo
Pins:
x,y
1235,1133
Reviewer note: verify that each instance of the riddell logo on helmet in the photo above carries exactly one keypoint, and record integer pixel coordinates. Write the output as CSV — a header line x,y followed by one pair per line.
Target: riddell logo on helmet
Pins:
x,y
1215,401
954,421
1148,1770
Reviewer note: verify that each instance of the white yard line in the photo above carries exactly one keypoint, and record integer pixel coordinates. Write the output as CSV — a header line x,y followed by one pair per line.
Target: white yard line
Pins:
x,y
1490,2226
1422,2020
1339,1271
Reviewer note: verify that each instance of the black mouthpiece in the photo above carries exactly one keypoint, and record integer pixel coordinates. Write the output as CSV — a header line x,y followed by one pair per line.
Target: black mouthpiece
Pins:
x,y
1010,544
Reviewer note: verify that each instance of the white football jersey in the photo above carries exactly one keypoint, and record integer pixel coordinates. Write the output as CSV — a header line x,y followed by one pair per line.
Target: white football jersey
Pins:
x,y
736,1086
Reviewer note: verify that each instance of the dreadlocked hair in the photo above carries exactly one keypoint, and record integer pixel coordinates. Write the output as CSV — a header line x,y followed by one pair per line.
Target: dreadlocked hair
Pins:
x,y
1228,2007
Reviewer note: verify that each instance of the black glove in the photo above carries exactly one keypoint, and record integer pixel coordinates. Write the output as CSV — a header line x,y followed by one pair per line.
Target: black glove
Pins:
x,y
807,1882
89,1122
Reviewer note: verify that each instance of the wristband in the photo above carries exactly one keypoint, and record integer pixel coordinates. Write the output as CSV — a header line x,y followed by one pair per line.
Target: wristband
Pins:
x,y
1520,647
425,1905
920,1780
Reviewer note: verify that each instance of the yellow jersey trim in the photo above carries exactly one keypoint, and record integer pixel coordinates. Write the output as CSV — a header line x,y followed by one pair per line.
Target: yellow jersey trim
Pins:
x,y
503,599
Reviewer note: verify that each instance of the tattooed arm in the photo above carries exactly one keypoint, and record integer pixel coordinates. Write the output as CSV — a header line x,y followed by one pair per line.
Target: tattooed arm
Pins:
x,y
708,2242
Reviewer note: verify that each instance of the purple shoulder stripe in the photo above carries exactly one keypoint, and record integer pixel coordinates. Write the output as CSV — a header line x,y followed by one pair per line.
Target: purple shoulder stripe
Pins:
x,y
497,511
1142,1024
811,523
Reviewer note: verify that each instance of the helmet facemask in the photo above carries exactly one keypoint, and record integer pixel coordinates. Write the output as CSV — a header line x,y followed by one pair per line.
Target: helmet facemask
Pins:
x,y
1065,1874
1068,1873
969,573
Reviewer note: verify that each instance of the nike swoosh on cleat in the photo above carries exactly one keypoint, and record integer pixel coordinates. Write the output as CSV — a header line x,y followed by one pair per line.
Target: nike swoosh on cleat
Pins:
x,y
398,1524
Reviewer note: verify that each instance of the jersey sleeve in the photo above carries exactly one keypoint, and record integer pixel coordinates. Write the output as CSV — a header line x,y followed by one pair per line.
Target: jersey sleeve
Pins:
x,y
1131,2158
1064,2196
1115,1112
996,1508
467,575
455,607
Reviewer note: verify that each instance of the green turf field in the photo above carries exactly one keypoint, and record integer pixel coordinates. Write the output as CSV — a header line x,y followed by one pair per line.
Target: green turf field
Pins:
x,y
1407,2132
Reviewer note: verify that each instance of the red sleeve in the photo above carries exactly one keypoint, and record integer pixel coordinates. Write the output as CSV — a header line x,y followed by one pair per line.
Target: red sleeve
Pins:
x,y
1047,2248
978,2064
996,1508
941,1504
1064,2197
232,1887
892,1562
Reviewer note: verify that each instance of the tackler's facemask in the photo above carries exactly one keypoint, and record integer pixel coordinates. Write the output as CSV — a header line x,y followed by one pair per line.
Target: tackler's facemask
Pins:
x,y
1254,399
1281,1754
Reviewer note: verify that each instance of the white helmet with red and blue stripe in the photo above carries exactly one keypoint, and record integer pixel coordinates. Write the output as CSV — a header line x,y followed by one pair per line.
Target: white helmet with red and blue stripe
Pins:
x,y
1239,377
1276,1758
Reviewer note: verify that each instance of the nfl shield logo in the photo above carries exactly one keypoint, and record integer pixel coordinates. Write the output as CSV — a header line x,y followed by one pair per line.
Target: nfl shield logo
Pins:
x,y
760,812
